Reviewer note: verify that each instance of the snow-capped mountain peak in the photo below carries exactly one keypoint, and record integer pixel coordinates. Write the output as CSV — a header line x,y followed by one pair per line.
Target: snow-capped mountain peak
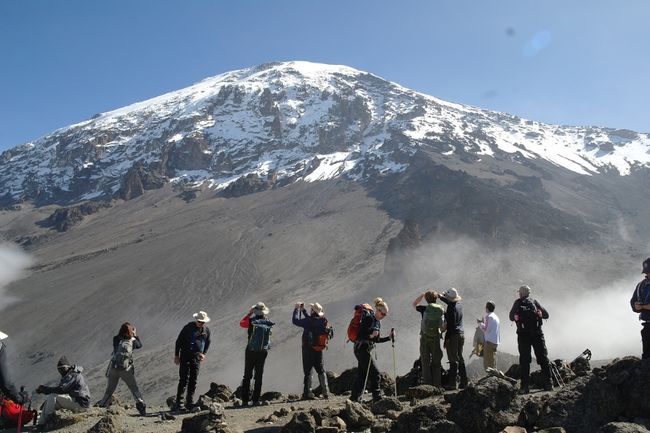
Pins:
x,y
285,122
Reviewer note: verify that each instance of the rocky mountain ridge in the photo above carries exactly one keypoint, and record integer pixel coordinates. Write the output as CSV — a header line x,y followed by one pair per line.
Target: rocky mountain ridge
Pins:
x,y
279,123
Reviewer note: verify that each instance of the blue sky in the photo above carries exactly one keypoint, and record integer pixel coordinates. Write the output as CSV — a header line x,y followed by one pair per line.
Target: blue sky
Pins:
x,y
579,62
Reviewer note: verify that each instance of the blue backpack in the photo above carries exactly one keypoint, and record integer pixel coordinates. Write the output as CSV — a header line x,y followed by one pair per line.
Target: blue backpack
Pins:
x,y
260,338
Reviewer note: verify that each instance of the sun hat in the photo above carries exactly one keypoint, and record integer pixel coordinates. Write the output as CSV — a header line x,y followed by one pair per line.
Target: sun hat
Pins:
x,y
201,316
524,291
452,295
317,308
260,309
3,335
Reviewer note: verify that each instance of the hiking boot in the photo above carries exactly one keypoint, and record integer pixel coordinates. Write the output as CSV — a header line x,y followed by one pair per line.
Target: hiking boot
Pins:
x,y
176,407
142,408
463,384
325,390
524,390
256,403
307,393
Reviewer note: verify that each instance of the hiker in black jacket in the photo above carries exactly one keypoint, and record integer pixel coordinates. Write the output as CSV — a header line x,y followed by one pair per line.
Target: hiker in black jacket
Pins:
x,y
7,387
192,345
121,367
71,393
314,324
640,303
256,350
369,334
527,313
454,339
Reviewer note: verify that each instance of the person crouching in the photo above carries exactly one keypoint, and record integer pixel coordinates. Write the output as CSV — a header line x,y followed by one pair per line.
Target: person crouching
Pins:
x,y
71,393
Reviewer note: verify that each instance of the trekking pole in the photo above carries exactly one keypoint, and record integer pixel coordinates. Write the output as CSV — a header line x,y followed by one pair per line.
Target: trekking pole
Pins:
x,y
365,382
392,339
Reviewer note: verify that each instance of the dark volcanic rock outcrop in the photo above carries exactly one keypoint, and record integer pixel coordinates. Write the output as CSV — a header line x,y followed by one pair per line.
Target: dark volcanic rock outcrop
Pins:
x,y
63,219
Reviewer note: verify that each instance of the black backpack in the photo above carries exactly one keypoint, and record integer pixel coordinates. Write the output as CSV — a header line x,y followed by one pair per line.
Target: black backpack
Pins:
x,y
527,315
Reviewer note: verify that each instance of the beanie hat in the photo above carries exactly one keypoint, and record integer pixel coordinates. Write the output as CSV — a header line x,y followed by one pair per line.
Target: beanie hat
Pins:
x,y
63,362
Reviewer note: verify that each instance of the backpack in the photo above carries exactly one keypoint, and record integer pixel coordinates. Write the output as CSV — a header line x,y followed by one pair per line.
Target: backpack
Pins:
x,y
122,358
355,323
526,316
318,340
13,413
260,339
432,321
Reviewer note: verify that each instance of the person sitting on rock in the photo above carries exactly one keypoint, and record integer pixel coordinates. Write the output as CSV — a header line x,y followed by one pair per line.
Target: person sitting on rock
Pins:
x,y
527,313
369,334
71,393
190,350
121,366
640,304
315,330
433,321
7,386
259,342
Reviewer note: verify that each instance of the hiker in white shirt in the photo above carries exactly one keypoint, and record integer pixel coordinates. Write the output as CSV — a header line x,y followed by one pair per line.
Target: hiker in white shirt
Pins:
x,y
490,327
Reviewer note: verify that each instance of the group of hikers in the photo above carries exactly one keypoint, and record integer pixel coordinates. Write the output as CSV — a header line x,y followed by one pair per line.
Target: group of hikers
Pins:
x,y
439,325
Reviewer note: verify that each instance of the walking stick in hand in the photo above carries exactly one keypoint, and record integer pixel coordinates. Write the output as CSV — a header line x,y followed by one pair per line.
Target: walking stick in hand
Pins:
x,y
392,339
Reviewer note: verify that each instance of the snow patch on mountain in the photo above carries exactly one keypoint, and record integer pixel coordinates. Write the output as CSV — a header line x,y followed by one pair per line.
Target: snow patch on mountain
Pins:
x,y
294,121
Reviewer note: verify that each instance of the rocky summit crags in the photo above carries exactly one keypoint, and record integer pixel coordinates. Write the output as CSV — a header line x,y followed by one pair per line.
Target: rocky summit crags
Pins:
x,y
278,123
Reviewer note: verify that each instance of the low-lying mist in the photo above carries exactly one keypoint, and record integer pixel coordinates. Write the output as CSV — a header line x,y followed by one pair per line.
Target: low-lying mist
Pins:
x,y
13,263
586,293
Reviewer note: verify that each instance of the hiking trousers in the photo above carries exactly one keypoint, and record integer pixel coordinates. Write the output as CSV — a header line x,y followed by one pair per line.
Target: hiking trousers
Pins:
x,y
430,357
365,367
535,340
253,361
454,346
188,372
58,401
489,355
645,340
114,375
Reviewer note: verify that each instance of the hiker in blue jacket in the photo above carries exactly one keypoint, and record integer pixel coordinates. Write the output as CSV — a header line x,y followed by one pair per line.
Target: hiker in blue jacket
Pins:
x,y
314,325
191,347
259,339
640,303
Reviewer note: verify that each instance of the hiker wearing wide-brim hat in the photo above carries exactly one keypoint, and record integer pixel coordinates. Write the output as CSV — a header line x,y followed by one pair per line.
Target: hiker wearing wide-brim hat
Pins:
x,y
527,313
257,346
640,303
454,339
315,336
6,384
191,348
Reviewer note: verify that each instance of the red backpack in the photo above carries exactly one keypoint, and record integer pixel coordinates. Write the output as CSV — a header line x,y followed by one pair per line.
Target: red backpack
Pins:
x,y
355,323
13,413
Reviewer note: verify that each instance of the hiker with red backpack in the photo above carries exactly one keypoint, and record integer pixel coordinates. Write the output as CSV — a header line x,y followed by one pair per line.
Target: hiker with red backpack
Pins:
x,y
12,409
257,347
7,387
527,313
640,304
431,328
365,332
315,336
71,393
190,350
121,367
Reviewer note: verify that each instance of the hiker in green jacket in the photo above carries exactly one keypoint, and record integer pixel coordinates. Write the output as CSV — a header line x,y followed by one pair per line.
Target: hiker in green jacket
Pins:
x,y
430,332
